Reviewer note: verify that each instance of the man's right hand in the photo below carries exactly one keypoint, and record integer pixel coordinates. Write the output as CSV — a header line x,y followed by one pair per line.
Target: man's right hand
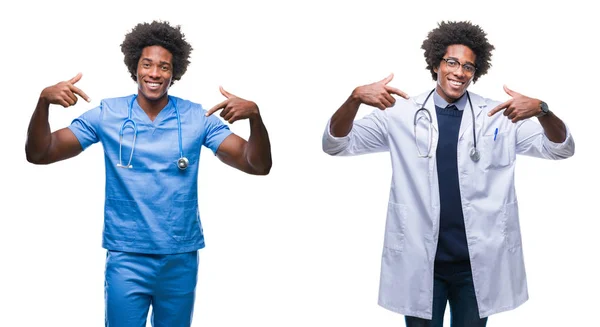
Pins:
x,y
64,93
43,146
378,94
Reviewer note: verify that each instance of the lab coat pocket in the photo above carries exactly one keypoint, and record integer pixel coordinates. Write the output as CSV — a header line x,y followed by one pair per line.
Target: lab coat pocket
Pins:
x,y
184,219
395,226
512,230
496,151
120,219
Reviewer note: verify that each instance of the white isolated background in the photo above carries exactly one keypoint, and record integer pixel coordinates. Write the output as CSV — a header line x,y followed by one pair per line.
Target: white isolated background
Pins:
x,y
301,246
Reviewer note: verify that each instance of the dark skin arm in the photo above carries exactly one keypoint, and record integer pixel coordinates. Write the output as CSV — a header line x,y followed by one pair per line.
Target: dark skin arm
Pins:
x,y
252,156
521,107
377,94
43,146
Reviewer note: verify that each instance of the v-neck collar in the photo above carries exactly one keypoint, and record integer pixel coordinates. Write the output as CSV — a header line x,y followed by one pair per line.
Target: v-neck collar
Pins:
x,y
143,116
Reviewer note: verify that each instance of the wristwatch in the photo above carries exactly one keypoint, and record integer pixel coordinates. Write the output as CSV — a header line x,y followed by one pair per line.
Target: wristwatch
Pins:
x,y
544,108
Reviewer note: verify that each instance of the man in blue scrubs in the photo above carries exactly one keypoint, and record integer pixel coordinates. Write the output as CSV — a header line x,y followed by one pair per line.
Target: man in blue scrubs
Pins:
x,y
152,143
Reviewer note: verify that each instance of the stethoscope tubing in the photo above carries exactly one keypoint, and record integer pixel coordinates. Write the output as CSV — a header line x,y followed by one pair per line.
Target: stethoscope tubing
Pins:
x,y
474,153
182,162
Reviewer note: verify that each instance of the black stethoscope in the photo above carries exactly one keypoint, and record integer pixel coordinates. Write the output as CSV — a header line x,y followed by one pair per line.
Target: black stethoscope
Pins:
x,y
474,153
182,162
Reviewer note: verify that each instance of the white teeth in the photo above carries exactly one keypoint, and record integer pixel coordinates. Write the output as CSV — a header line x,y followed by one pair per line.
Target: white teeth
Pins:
x,y
456,83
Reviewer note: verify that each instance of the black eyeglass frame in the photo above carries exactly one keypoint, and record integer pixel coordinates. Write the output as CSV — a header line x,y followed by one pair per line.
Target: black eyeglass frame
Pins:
x,y
453,64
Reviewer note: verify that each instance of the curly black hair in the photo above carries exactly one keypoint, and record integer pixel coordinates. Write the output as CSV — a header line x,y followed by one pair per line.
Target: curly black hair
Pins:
x,y
465,33
156,33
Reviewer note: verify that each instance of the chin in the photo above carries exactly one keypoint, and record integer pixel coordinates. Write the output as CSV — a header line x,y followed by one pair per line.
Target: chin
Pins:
x,y
153,96
455,95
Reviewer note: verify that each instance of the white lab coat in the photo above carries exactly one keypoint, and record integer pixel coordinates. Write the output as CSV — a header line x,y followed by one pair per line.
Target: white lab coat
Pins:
x,y
489,202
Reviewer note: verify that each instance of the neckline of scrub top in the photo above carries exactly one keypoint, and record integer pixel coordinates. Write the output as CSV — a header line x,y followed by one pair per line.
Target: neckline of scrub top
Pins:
x,y
162,115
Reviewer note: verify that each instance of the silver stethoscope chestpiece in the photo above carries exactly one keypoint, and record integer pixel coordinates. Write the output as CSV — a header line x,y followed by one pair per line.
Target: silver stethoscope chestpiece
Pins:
x,y
474,154
182,163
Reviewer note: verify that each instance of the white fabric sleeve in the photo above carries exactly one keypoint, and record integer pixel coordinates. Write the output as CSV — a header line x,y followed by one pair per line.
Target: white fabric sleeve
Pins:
x,y
368,135
532,141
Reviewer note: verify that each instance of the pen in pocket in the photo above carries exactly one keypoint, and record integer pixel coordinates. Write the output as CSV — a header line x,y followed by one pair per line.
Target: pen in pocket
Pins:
x,y
495,134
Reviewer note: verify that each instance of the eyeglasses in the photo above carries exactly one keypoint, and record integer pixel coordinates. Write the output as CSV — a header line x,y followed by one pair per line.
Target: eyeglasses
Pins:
x,y
453,65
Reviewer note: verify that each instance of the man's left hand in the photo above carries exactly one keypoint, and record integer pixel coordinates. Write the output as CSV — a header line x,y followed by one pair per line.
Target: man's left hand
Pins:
x,y
519,107
234,108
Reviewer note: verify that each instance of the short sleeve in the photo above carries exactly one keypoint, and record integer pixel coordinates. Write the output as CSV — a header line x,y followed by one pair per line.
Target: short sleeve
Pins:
x,y
216,131
85,127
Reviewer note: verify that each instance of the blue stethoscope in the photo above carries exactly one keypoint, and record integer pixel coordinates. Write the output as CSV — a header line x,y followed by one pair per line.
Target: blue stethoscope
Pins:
x,y
474,153
182,162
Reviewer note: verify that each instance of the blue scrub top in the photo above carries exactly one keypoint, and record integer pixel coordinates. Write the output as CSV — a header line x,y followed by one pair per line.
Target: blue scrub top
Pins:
x,y
152,207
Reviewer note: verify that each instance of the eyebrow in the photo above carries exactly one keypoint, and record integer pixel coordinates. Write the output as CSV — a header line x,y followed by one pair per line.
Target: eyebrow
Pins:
x,y
161,62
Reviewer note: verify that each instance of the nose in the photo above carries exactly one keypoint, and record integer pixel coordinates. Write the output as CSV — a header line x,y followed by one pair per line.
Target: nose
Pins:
x,y
460,71
153,72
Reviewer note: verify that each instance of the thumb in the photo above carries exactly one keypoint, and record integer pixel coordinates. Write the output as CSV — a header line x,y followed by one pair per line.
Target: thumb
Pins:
x,y
509,91
225,93
75,79
387,79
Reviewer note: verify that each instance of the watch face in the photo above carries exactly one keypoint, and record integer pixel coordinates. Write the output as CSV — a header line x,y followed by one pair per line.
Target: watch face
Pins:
x,y
544,107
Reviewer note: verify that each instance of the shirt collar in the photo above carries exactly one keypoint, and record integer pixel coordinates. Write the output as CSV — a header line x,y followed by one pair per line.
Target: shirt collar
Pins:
x,y
440,102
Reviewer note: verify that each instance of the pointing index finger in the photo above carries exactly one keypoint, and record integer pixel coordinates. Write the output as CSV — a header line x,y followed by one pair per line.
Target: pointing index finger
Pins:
x,y
396,91
78,91
499,107
221,105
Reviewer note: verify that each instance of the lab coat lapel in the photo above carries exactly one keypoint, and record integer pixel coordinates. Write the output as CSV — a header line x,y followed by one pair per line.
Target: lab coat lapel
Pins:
x,y
466,123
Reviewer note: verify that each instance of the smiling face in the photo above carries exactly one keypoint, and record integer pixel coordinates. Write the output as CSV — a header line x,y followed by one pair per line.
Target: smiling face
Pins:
x,y
154,75
452,84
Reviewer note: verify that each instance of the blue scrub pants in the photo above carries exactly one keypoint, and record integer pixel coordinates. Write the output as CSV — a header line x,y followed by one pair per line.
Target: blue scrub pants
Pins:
x,y
136,281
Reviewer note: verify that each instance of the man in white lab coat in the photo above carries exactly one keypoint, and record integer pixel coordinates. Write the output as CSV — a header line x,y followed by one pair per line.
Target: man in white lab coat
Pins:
x,y
452,232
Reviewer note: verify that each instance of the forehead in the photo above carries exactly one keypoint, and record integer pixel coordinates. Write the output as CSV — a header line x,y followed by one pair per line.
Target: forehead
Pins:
x,y
156,53
461,52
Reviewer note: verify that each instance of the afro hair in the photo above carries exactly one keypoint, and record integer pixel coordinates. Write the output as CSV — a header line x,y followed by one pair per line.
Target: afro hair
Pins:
x,y
157,33
465,33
